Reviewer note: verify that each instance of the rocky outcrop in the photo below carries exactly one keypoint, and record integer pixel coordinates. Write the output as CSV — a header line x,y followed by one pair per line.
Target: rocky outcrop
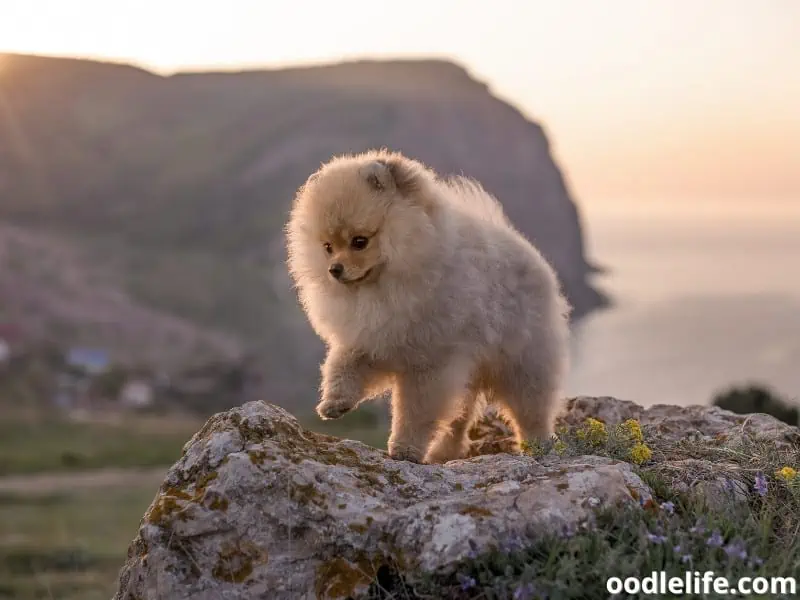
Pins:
x,y
258,507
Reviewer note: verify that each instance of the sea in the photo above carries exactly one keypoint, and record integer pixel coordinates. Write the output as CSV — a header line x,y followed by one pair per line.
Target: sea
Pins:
x,y
706,296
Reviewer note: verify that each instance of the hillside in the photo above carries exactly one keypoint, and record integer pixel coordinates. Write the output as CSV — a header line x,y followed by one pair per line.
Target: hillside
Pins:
x,y
55,293
177,187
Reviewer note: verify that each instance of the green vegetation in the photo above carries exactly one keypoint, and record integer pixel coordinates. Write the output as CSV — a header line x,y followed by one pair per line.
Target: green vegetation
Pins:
x,y
676,532
35,445
627,543
67,546
67,539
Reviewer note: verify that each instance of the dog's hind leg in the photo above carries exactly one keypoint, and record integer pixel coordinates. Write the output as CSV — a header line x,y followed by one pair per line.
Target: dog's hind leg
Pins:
x,y
421,401
453,442
530,397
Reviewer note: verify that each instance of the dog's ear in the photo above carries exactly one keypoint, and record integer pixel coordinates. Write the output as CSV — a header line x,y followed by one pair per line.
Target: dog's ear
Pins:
x,y
393,173
378,176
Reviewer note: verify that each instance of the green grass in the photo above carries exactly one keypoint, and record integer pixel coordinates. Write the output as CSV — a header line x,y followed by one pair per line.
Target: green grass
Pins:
x,y
67,546
675,532
60,445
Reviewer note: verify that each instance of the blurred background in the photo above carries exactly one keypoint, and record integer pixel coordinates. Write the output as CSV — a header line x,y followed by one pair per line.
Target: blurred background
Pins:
x,y
149,152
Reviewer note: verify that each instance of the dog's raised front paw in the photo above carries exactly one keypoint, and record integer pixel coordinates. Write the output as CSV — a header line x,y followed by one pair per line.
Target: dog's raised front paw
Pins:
x,y
334,408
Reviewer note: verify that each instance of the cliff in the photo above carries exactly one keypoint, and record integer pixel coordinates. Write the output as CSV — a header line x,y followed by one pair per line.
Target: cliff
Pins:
x,y
180,185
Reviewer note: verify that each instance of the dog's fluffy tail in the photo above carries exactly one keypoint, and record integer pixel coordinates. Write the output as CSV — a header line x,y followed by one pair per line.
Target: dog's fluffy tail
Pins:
x,y
469,195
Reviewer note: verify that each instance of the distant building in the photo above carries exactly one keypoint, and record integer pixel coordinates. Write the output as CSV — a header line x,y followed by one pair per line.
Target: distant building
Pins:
x,y
136,394
91,361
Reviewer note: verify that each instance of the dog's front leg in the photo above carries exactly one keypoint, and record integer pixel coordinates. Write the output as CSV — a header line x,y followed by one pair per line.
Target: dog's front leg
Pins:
x,y
346,377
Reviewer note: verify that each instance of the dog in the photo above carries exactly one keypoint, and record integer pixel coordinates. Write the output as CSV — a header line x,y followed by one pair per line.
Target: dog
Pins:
x,y
420,285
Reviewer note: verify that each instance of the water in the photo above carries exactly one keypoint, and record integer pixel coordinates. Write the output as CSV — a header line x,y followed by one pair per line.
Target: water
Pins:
x,y
707,296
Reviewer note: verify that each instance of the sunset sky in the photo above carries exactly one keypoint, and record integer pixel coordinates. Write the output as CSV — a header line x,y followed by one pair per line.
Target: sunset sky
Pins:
x,y
670,99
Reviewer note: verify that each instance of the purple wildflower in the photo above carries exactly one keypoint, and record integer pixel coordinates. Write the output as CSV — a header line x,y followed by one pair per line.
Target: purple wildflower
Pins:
x,y
525,591
568,530
699,527
677,549
736,549
656,539
512,543
686,558
466,582
716,540
755,561
669,507
761,484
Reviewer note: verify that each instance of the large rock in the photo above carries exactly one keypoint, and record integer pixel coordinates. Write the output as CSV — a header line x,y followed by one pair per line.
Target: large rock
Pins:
x,y
258,507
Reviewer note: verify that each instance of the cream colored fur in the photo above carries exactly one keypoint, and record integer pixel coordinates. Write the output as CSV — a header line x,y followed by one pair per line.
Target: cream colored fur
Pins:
x,y
446,304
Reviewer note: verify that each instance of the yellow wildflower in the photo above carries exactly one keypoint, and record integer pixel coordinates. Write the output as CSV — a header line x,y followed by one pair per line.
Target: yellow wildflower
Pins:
x,y
559,447
534,448
631,430
594,432
786,473
640,453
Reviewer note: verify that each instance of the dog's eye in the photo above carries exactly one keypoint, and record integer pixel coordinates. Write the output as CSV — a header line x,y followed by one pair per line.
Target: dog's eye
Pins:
x,y
328,247
359,242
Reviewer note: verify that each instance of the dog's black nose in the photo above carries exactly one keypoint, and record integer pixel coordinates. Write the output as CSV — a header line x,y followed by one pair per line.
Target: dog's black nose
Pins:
x,y
336,269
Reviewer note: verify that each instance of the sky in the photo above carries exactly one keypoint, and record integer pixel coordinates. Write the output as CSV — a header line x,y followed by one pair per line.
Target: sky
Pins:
x,y
644,100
